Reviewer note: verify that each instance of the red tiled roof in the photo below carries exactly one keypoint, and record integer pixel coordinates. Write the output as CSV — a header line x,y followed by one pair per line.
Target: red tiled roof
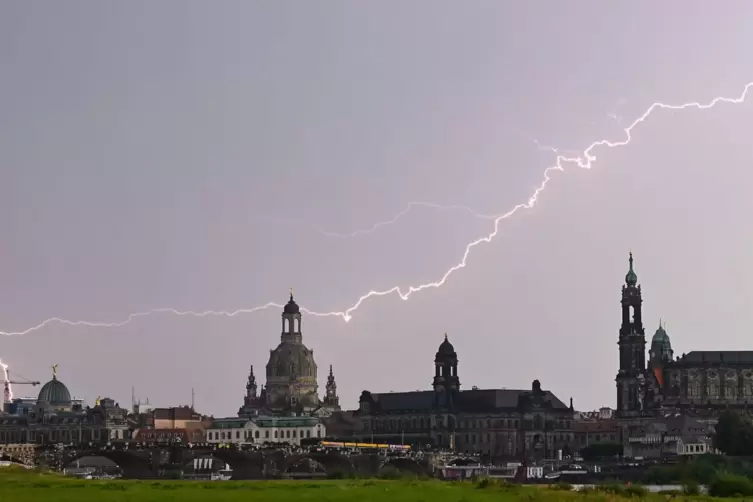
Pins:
x,y
595,426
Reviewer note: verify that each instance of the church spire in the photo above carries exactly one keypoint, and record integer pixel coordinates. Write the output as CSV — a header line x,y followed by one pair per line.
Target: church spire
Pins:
x,y
631,279
632,347
330,398
251,385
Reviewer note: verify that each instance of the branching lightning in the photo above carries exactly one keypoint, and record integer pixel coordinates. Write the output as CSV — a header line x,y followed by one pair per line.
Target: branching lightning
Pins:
x,y
585,161
408,208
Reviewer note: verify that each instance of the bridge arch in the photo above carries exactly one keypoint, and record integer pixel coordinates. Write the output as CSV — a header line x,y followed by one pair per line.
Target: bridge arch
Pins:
x,y
330,462
245,465
134,464
404,464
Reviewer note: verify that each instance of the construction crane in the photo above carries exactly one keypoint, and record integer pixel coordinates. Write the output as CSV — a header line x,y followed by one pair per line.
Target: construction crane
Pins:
x,y
9,382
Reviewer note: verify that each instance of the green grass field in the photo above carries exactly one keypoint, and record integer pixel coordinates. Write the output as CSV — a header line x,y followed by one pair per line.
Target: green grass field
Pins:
x,y
18,485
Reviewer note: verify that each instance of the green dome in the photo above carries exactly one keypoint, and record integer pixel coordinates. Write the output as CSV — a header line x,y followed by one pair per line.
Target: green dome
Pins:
x,y
660,335
661,347
631,279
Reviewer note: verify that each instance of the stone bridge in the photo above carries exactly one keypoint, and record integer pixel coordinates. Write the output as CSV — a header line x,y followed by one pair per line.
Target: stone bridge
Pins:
x,y
246,463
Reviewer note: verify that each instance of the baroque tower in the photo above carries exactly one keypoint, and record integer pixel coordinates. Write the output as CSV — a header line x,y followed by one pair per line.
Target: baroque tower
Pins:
x,y
291,370
446,383
631,376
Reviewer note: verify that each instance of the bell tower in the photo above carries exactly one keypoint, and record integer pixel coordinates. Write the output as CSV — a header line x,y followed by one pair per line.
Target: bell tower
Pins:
x,y
632,343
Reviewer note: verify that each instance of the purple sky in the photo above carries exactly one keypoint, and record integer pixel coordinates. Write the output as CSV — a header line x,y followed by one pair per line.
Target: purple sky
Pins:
x,y
185,154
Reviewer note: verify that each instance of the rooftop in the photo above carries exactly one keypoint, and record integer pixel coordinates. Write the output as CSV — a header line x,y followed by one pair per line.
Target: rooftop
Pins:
x,y
471,401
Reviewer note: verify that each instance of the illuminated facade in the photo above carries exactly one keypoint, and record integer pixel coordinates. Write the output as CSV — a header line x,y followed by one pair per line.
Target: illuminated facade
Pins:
x,y
260,430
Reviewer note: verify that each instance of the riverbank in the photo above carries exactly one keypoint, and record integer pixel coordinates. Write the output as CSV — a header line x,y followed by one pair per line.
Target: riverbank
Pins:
x,y
29,486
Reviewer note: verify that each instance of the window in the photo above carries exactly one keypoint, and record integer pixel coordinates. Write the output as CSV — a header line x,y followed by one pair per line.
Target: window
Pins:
x,y
294,433
318,433
275,433
308,433
256,434
266,434
237,434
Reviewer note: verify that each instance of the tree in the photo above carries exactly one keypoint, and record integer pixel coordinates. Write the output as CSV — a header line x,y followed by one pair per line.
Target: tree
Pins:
x,y
599,451
734,434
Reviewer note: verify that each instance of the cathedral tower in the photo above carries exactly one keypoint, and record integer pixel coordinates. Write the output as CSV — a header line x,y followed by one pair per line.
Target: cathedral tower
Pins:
x,y
632,342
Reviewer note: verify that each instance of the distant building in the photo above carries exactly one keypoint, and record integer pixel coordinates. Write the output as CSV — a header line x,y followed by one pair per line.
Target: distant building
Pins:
x,y
179,417
595,430
174,424
291,387
501,423
260,430
699,383
54,417
670,436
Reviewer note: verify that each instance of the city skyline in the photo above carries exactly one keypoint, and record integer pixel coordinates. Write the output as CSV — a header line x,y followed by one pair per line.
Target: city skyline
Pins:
x,y
191,165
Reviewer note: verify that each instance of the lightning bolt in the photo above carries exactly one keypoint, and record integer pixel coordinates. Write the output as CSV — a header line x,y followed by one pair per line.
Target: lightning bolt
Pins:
x,y
584,161
6,378
402,213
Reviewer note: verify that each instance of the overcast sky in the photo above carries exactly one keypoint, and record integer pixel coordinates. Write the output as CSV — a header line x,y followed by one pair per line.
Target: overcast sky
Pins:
x,y
189,154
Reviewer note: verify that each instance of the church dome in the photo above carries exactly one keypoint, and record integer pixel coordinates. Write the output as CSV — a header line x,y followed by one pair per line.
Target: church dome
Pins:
x,y
446,349
291,307
291,359
54,392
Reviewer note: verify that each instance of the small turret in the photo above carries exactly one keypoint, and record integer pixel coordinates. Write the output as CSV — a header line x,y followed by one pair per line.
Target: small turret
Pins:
x,y
330,398
251,385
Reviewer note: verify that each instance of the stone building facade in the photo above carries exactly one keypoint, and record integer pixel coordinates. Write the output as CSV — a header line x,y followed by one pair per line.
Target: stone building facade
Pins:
x,y
698,383
291,387
499,423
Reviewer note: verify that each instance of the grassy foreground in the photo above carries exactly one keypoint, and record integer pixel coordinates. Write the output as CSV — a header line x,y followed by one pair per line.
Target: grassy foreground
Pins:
x,y
19,485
